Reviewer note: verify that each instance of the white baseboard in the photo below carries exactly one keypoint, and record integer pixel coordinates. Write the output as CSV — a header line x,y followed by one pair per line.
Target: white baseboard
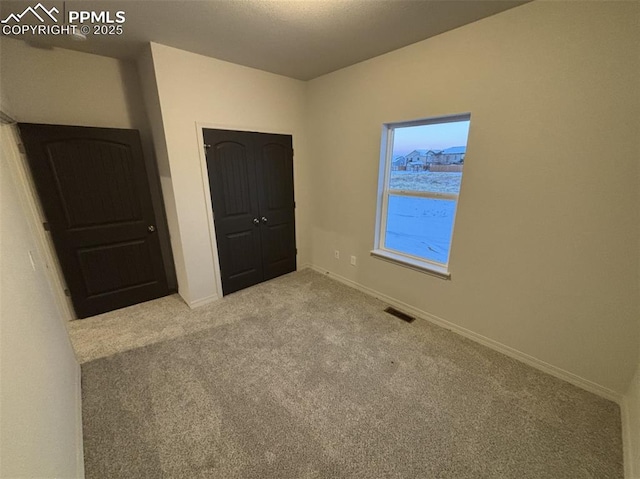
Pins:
x,y
201,302
79,436
626,439
490,343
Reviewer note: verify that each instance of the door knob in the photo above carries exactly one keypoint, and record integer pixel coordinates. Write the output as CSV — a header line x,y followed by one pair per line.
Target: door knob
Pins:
x,y
264,219
151,228
256,221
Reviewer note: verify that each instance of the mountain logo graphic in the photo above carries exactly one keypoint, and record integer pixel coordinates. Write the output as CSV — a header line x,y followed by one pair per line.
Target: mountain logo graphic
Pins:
x,y
34,11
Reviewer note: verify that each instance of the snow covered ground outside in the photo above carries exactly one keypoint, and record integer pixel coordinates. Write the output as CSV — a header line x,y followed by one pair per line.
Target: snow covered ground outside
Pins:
x,y
438,182
421,227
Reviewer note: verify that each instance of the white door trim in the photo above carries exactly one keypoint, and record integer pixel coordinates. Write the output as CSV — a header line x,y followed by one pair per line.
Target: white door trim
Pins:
x,y
18,164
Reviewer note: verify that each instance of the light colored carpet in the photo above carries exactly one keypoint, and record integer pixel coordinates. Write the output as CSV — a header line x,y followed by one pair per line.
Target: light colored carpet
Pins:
x,y
303,377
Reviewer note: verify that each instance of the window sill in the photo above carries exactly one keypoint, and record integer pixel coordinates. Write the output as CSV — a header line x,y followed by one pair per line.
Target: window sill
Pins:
x,y
424,267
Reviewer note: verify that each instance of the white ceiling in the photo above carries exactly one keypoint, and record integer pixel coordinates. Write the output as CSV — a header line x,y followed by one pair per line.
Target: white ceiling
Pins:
x,y
298,38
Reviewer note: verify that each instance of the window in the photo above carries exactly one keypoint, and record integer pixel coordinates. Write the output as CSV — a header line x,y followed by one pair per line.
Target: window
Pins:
x,y
417,206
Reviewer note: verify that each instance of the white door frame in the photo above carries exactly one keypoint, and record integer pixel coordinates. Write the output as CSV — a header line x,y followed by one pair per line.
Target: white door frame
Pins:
x,y
13,150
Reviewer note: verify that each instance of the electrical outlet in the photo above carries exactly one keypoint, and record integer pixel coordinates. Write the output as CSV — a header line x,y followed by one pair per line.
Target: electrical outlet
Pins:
x,y
353,260
336,254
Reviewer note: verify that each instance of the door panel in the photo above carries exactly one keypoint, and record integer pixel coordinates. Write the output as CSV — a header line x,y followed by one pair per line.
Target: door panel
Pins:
x,y
234,164
251,182
232,182
95,194
276,197
243,262
276,171
278,250
107,268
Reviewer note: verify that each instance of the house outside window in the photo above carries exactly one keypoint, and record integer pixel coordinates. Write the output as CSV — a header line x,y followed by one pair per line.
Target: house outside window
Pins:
x,y
417,205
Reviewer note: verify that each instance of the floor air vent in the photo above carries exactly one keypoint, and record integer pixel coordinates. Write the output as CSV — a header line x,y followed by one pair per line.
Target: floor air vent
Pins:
x,y
399,314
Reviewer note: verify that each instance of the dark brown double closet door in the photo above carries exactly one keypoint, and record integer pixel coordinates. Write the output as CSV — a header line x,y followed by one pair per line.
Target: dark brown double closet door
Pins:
x,y
95,194
251,183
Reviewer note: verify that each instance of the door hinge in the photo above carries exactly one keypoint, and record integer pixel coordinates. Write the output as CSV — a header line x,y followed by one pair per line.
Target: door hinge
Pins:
x,y
67,293
21,148
45,225
293,152
206,148
294,204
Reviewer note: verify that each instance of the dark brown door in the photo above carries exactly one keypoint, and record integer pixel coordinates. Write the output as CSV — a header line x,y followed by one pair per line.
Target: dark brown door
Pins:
x,y
274,168
94,192
251,183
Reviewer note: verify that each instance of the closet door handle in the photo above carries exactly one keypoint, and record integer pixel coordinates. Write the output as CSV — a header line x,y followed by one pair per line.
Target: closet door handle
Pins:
x,y
264,219
256,221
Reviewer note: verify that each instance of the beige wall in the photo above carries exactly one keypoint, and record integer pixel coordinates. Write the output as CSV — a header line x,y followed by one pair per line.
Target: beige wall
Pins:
x,y
151,99
40,410
545,249
64,87
196,89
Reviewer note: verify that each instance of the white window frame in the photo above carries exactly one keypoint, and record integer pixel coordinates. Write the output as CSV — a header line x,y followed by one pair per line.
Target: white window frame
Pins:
x,y
386,161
